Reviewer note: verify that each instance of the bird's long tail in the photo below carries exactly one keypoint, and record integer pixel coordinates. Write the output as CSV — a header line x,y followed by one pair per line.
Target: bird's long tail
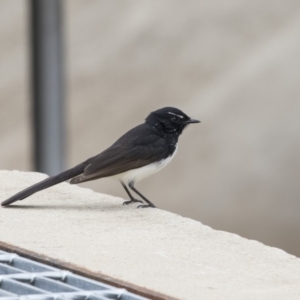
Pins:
x,y
75,171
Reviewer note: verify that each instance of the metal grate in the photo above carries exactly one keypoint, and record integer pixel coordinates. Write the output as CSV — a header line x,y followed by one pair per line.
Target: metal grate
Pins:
x,y
22,278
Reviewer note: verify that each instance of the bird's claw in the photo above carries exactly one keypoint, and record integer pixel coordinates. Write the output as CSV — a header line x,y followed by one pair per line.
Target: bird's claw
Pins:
x,y
146,205
132,201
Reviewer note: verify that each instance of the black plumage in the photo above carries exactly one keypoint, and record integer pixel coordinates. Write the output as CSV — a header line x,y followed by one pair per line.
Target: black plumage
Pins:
x,y
149,144
139,147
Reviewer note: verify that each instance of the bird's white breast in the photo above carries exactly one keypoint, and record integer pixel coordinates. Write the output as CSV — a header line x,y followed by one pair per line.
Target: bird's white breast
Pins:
x,y
139,174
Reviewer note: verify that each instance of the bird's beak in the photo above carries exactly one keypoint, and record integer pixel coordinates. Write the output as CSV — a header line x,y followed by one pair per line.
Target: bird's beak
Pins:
x,y
190,121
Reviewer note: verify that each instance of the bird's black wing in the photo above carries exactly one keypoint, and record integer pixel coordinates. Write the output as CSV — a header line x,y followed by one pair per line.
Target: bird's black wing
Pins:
x,y
137,148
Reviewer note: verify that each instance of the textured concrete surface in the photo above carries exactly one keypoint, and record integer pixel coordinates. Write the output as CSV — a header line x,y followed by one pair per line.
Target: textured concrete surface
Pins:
x,y
150,248
233,64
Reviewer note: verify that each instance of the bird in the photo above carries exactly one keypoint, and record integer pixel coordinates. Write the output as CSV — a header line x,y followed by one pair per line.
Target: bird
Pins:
x,y
139,153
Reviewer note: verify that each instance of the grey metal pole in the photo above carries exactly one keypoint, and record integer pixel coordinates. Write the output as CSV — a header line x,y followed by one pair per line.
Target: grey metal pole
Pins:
x,y
48,85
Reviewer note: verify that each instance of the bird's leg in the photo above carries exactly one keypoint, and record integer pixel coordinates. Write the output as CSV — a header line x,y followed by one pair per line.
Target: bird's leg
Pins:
x,y
150,204
130,196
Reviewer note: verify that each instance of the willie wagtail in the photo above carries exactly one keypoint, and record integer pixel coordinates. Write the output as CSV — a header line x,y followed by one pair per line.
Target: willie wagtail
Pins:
x,y
139,153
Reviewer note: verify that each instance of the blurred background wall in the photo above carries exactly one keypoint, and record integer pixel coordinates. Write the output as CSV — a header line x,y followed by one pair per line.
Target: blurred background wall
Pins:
x,y
232,64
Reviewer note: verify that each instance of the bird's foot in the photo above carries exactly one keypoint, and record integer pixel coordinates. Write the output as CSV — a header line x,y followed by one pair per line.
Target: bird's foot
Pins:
x,y
132,201
146,205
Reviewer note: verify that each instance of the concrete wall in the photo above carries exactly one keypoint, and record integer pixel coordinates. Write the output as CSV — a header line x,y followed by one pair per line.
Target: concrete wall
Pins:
x,y
234,65
151,251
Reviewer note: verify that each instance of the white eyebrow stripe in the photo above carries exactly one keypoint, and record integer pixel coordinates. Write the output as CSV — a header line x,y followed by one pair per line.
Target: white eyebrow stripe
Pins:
x,y
175,115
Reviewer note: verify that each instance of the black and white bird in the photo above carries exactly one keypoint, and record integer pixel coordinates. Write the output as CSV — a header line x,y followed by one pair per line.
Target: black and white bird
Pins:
x,y
139,153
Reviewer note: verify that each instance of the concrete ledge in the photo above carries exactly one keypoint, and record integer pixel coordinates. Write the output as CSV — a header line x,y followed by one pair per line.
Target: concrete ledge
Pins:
x,y
148,249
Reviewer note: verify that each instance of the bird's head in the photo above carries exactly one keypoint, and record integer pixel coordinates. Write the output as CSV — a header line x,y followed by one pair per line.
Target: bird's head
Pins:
x,y
169,119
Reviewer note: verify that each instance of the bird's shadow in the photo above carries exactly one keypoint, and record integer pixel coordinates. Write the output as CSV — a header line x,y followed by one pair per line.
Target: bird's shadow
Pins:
x,y
92,207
